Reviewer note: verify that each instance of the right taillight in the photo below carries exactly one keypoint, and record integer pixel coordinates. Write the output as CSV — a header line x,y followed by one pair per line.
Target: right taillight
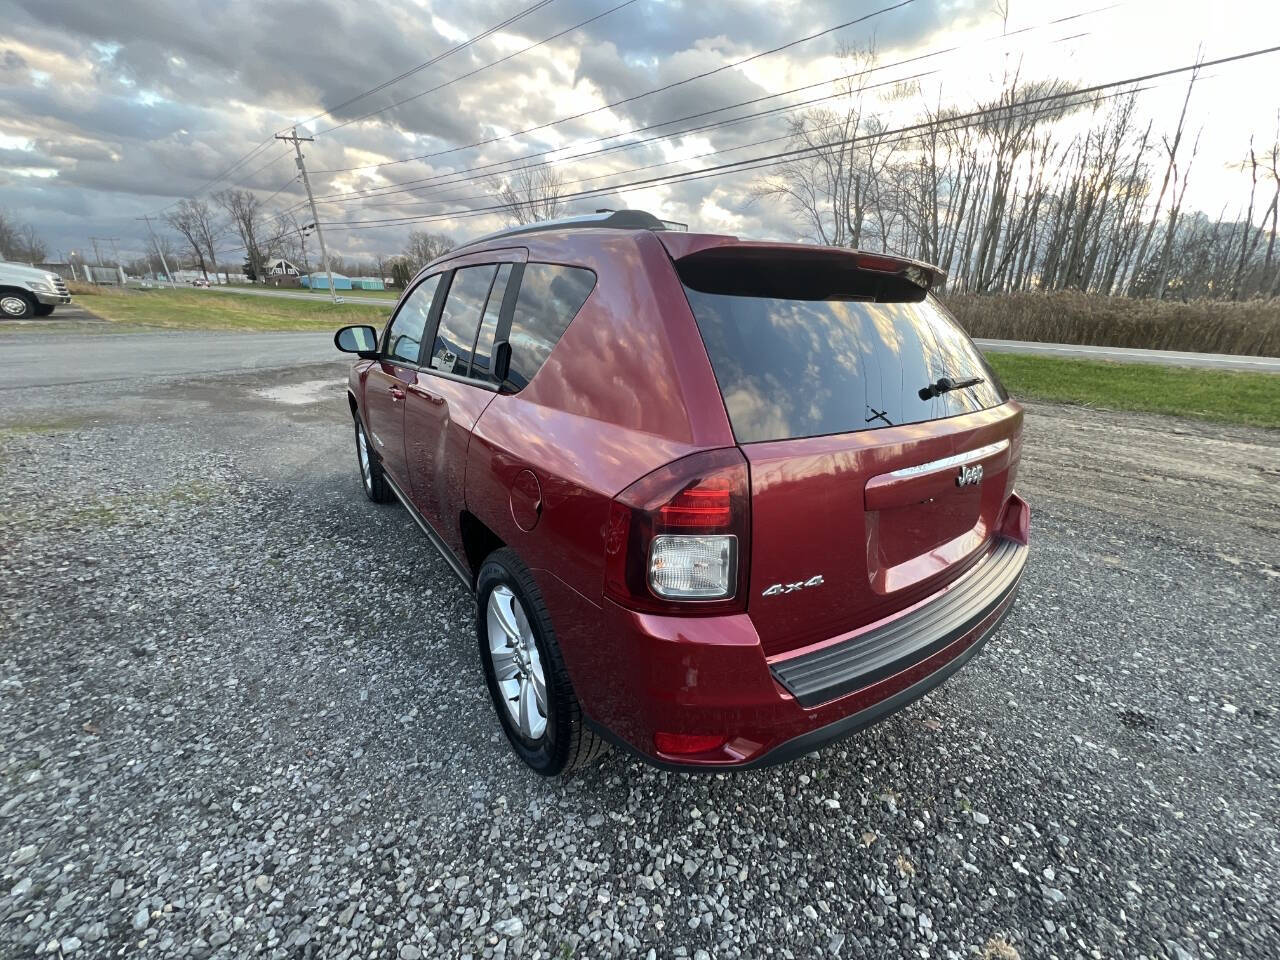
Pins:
x,y
679,537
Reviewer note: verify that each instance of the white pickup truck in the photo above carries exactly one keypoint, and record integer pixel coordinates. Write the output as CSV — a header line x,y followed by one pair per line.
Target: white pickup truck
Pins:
x,y
29,291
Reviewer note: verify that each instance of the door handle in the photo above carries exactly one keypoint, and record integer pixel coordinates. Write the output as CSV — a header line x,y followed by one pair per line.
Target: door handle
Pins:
x,y
396,394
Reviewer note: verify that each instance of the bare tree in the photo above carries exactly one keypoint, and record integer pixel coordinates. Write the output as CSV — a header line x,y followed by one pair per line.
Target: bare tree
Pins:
x,y
193,219
830,187
424,247
1171,148
21,241
530,194
10,236
34,249
245,210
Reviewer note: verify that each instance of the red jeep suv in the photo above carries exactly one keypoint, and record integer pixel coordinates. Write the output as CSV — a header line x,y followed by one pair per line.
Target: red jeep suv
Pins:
x,y
720,502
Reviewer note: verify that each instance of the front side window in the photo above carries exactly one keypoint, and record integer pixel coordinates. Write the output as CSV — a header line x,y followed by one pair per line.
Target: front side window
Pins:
x,y
404,336
550,296
460,319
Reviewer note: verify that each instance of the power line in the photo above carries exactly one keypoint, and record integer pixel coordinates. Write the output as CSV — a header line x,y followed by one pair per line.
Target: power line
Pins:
x,y
635,97
751,164
438,179
428,63
472,73
650,166
785,156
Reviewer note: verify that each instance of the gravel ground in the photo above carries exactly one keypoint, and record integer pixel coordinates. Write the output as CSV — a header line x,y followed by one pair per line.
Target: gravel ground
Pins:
x,y
241,714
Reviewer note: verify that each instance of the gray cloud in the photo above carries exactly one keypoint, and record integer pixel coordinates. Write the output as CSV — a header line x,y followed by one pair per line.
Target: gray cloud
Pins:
x,y
135,103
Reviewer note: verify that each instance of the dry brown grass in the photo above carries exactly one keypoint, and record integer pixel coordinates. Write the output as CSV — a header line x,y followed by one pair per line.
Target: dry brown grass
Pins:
x,y
79,288
1203,326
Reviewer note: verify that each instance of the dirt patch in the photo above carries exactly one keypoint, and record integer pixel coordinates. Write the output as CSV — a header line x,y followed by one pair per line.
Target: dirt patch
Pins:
x,y
1205,482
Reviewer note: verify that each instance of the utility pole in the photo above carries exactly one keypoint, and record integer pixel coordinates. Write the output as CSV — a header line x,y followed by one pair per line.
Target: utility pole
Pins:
x,y
97,255
297,142
156,244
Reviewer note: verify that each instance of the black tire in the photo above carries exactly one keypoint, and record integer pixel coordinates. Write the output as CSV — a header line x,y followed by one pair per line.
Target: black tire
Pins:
x,y
567,743
372,481
17,305
44,309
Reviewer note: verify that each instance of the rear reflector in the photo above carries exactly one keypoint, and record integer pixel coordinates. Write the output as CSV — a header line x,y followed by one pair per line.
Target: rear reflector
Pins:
x,y
684,744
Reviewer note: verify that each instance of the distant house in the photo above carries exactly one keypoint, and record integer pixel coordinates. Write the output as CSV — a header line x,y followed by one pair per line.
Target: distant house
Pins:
x,y
367,283
320,281
280,267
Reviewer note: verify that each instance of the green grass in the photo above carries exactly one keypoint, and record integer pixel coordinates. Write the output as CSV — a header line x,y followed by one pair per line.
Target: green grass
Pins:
x,y
203,310
1252,399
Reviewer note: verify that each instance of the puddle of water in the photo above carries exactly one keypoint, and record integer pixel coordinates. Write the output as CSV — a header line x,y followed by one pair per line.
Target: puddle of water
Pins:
x,y
300,394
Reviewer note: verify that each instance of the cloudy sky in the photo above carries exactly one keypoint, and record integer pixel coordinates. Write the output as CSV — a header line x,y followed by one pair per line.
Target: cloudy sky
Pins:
x,y
109,111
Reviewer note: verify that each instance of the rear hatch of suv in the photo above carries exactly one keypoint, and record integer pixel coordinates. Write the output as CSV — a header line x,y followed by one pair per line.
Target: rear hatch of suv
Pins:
x,y
881,447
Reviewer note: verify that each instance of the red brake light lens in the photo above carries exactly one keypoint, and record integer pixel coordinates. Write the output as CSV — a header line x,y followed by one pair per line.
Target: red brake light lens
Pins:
x,y
703,505
869,261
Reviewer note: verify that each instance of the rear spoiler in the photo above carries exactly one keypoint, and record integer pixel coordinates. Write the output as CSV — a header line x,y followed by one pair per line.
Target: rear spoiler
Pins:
x,y
703,259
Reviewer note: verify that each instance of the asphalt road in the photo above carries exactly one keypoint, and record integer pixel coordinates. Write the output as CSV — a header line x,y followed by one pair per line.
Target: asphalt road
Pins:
x,y
241,712
348,296
28,359
1218,361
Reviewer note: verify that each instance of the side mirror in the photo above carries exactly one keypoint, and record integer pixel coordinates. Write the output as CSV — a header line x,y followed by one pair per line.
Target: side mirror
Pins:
x,y
358,339
501,360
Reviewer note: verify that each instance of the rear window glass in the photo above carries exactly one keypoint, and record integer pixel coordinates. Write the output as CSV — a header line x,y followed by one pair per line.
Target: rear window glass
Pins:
x,y
550,296
805,368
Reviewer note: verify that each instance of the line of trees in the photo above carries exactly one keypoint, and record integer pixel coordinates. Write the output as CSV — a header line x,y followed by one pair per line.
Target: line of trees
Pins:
x,y
20,241
1035,194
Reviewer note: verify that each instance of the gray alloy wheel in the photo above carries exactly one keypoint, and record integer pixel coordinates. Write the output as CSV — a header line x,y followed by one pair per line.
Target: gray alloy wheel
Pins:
x,y
525,672
17,306
517,665
362,453
371,480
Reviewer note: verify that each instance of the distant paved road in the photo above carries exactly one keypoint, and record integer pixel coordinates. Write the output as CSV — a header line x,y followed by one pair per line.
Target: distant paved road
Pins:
x,y
1221,361
346,295
35,360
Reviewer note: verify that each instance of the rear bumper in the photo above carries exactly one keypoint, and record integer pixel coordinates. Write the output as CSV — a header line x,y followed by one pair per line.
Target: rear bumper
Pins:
x,y
709,676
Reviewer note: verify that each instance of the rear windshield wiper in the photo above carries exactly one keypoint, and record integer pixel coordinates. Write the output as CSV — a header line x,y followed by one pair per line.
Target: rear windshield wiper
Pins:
x,y
946,384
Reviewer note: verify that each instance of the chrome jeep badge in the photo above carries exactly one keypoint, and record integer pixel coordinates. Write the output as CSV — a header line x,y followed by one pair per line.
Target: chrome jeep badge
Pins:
x,y
969,475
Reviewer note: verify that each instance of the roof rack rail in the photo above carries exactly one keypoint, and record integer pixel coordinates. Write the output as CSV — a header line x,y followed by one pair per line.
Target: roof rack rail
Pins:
x,y
611,219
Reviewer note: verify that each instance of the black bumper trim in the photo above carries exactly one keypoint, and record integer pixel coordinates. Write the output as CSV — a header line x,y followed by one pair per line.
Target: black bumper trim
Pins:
x,y
832,672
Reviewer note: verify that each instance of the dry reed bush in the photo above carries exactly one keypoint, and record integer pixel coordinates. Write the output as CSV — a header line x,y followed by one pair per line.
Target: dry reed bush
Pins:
x,y
1249,327
77,287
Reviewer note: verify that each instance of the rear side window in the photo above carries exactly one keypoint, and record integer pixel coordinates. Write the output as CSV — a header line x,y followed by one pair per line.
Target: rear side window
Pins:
x,y
802,368
550,296
460,319
404,336
480,361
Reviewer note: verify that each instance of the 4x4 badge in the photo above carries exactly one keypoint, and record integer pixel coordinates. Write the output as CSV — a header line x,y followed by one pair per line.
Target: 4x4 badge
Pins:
x,y
777,588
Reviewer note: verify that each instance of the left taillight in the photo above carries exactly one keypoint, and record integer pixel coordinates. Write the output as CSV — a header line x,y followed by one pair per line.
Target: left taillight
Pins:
x,y
679,538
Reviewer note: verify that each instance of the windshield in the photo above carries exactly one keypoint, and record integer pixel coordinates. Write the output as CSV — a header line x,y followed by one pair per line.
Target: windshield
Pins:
x,y
802,368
